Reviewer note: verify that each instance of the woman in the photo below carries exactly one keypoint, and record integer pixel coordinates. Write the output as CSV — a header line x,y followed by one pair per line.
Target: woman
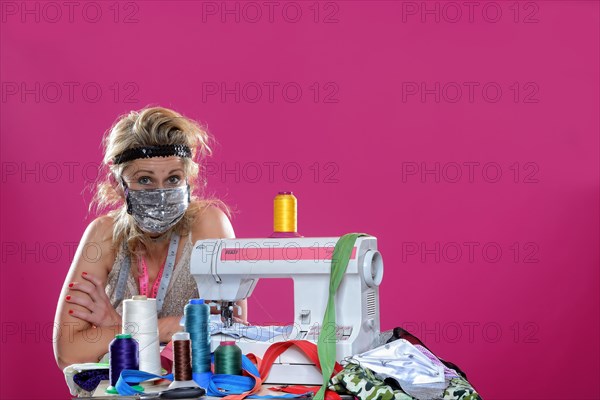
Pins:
x,y
151,173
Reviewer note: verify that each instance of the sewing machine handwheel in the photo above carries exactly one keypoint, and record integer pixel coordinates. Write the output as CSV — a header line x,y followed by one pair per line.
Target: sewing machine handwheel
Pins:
x,y
373,268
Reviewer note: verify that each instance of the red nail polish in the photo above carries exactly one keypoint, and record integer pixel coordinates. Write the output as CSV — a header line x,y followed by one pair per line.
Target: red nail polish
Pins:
x,y
68,297
70,285
83,273
70,311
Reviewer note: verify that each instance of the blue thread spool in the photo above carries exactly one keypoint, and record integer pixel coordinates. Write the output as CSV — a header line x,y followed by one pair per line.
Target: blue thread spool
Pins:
x,y
197,315
124,354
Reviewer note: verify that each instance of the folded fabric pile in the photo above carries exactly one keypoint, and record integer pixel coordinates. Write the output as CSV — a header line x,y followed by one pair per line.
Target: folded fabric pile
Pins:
x,y
402,369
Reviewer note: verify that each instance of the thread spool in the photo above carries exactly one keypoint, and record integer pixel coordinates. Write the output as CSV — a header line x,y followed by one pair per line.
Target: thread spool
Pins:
x,y
140,319
285,215
197,315
182,361
124,354
228,359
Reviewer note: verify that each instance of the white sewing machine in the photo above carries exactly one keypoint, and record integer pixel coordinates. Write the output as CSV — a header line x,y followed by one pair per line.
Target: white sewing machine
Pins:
x,y
227,270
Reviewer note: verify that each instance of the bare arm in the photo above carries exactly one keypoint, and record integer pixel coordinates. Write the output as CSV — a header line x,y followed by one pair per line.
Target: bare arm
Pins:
x,y
77,339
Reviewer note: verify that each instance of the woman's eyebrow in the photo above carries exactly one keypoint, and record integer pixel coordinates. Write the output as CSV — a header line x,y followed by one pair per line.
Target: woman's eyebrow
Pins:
x,y
175,170
139,171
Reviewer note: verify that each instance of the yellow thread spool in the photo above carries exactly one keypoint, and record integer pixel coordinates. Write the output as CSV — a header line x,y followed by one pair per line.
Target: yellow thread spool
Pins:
x,y
285,214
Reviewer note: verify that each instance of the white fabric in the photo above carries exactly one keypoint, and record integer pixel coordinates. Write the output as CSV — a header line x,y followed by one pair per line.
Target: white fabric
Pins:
x,y
413,370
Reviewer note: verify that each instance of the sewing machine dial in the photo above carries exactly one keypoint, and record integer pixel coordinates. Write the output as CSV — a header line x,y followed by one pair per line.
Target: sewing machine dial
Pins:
x,y
372,268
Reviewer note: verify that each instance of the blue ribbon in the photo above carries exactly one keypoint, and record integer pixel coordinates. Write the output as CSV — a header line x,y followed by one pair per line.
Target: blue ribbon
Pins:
x,y
228,384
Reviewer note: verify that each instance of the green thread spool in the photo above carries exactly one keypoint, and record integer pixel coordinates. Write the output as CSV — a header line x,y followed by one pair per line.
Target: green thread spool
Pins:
x,y
228,359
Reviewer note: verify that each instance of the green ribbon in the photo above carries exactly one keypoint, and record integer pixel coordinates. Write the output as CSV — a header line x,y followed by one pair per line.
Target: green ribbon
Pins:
x,y
327,336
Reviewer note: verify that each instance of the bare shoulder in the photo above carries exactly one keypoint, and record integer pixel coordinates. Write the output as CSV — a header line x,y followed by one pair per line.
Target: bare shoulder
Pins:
x,y
212,223
100,231
96,244
102,226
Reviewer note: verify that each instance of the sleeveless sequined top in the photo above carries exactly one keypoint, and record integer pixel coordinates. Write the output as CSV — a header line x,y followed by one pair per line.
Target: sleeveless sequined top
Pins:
x,y
181,289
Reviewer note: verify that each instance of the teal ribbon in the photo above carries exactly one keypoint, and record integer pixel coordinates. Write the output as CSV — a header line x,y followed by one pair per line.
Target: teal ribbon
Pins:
x,y
327,337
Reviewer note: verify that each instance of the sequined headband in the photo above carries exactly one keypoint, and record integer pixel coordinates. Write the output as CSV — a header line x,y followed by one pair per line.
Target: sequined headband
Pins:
x,y
179,150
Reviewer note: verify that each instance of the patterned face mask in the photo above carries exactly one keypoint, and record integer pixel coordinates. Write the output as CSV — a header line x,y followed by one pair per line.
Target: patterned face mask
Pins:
x,y
157,210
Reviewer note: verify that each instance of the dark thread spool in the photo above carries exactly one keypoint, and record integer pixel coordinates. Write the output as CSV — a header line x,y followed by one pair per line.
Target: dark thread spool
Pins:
x,y
228,359
182,347
124,354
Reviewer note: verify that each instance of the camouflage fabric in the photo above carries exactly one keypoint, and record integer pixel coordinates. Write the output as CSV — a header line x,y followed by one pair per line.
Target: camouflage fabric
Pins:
x,y
460,389
362,383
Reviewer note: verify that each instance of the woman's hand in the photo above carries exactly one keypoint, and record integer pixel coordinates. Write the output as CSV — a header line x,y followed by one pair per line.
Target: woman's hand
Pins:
x,y
167,326
240,321
90,294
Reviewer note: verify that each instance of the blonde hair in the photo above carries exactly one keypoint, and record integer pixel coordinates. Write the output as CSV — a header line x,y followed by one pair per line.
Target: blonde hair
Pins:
x,y
150,126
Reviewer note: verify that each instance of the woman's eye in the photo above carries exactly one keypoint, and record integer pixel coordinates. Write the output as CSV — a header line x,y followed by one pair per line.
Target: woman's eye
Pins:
x,y
144,180
174,180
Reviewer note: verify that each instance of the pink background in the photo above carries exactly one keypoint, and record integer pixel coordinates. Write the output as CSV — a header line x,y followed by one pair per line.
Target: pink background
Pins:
x,y
522,325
